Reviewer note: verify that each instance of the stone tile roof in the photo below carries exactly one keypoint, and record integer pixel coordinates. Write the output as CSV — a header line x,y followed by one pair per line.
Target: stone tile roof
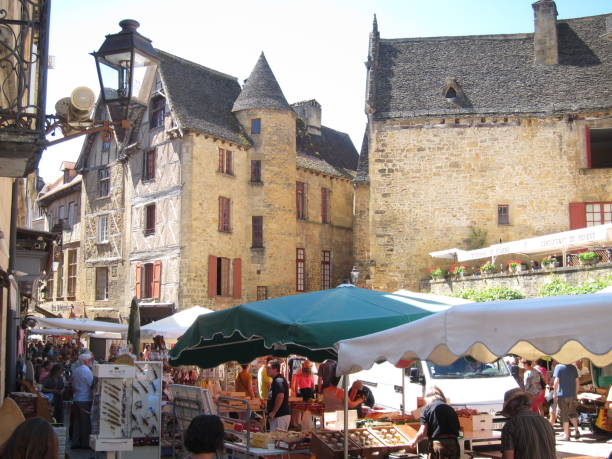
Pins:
x,y
58,188
201,98
496,73
363,167
261,90
314,163
333,147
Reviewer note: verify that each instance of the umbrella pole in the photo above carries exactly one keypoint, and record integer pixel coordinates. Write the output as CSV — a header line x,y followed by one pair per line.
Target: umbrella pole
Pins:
x,y
345,387
403,392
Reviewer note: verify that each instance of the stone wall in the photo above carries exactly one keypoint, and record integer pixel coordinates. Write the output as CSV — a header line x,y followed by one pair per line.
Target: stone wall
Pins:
x,y
430,180
528,283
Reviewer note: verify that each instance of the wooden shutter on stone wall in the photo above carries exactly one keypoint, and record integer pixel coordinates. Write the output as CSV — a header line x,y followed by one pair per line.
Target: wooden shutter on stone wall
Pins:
x,y
138,281
237,278
587,138
157,272
577,214
212,276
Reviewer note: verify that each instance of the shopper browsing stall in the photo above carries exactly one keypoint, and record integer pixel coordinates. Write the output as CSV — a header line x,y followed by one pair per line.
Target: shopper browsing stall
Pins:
x,y
82,382
278,398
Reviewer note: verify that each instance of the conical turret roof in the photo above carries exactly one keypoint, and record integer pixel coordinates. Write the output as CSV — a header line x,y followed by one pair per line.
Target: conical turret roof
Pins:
x,y
261,90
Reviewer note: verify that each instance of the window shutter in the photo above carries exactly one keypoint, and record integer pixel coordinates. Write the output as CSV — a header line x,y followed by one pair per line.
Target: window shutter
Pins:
x,y
587,138
220,213
237,278
138,281
212,276
577,215
157,269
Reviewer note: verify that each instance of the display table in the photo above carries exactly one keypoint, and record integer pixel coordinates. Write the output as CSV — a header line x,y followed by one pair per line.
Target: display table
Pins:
x,y
485,440
234,450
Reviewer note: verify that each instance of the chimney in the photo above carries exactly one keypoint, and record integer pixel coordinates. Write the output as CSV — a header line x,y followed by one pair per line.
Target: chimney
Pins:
x,y
545,37
310,112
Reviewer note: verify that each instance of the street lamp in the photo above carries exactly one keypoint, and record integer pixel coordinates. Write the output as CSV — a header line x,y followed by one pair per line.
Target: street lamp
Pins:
x,y
354,275
126,64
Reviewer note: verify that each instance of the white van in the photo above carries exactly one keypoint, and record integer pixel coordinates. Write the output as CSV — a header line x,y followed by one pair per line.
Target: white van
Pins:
x,y
466,383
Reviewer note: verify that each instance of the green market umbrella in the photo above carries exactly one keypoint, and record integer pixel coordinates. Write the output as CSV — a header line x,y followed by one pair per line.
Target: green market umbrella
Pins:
x,y
308,324
133,335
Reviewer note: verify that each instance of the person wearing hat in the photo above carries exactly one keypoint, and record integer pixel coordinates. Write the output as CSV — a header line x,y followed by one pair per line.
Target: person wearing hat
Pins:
x,y
82,382
525,435
302,383
440,424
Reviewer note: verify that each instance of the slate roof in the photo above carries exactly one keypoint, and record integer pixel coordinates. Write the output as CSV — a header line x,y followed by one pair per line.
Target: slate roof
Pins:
x,y
201,98
363,167
261,90
497,73
316,164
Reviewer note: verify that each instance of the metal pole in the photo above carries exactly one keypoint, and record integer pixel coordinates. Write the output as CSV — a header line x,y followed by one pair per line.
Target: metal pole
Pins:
x,y
403,391
345,387
12,315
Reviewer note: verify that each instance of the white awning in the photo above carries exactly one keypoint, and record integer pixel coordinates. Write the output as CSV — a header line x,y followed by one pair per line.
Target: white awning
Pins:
x,y
567,240
51,332
83,325
174,326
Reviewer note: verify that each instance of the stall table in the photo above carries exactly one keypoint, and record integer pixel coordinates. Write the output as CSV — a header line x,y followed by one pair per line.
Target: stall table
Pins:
x,y
235,451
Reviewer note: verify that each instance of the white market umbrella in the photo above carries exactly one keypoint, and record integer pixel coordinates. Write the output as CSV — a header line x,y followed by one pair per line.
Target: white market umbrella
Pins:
x,y
83,325
606,290
426,298
174,326
51,331
564,327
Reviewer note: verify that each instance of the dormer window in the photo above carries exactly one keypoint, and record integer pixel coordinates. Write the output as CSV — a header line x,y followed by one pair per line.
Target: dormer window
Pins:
x,y
157,112
452,92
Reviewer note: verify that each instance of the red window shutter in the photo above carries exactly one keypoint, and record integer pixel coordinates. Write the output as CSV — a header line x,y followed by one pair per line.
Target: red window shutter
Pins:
x,y
221,160
577,215
157,268
212,276
220,213
237,278
138,281
587,137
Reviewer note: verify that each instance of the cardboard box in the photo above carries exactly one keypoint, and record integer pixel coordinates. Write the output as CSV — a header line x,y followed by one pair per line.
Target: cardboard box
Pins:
x,y
114,371
476,423
110,444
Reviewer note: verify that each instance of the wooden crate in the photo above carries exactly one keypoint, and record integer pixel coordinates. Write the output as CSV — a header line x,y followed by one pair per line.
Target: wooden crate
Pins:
x,y
329,445
476,423
391,436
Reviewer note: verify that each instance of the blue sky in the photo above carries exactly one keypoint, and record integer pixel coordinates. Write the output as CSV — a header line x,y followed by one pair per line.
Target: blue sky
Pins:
x,y
315,48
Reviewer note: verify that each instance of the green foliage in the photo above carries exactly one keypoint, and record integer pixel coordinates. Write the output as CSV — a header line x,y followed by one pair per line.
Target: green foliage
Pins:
x,y
560,287
476,239
490,294
488,268
588,256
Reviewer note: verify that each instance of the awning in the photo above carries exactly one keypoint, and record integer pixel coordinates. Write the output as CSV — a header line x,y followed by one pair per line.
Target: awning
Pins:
x,y
174,326
567,240
566,328
51,331
83,325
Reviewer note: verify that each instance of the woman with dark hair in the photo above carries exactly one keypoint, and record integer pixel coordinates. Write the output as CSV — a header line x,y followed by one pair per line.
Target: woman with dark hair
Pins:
x,y
34,438
54,384
204,437
525,435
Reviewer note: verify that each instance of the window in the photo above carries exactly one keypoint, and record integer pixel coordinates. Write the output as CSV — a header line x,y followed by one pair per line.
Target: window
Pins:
x,y
60,277
103,228
224,214
49,290
158,112
256,126
148,165
598,213
101,284
256,171
599,148
149,226
226,165
61,214
257,236
325,269
71,213
262,292
72,273
325,201
224,277
503,214
148,280
103,182
300,270
300,196
105,152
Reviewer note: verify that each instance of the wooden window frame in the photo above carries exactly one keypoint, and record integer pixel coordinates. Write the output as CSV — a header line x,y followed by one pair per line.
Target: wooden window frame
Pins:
x,y
225,210
594,153
256,171
300,270
256,126
301,201
61,214
226,162
224,277
325,205
257,232
103,182
601,212
157,112
262,292
71,213
149,211
72,273
103,235
59,294
503,214
325,269
147,280
101,295
148,165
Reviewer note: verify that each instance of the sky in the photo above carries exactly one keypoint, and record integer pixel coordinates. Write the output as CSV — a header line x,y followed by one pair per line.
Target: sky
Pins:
x,y
316,48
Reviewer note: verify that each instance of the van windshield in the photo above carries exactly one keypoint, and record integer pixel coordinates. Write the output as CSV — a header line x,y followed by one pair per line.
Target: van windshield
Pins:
x,y
467,367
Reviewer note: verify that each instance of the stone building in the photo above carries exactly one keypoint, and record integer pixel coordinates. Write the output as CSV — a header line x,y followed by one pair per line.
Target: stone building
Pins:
x,y
59,210
504,135
224,194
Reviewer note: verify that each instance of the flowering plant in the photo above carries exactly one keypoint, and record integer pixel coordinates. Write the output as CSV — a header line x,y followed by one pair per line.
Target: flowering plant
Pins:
x,y
488,268
549,261
436,272
458,269
514,265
